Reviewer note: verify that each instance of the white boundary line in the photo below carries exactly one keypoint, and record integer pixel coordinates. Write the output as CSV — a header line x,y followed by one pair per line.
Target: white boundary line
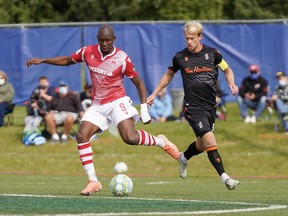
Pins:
x,y
272,207
261,207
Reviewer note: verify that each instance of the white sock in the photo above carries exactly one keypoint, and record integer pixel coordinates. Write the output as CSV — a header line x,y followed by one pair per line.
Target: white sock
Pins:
x,y
55,137
92,175
183,159
147,139
86,157
64,136
224,177
160,143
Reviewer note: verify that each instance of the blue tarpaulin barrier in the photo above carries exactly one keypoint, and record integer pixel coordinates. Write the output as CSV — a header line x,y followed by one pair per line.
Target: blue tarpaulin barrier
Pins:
x,y
150,46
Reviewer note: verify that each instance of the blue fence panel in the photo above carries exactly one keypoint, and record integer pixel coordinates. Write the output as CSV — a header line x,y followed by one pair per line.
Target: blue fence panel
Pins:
x,y
243,44
150,46
20,44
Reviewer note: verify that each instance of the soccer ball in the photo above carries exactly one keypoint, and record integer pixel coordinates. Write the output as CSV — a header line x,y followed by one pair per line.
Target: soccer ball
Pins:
x,y
121,185
120,167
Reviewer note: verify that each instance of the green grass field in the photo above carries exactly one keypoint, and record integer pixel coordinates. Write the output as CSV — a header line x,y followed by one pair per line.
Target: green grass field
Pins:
x,y
47,179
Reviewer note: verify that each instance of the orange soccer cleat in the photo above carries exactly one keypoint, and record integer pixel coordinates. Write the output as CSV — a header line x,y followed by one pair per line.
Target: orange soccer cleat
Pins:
x,y
91,187
169,147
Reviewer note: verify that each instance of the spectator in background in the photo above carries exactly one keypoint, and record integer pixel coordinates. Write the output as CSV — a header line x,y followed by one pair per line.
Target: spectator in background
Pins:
x,y
280,99
37,107
6,95
252,94
38,104
85,96
66,108
162,109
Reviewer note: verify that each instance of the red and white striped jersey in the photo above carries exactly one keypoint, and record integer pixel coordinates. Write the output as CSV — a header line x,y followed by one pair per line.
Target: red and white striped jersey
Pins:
x,y
106,72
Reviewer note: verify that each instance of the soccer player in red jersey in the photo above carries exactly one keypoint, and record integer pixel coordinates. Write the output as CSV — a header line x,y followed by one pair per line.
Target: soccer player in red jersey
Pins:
x,y
107,66
199,65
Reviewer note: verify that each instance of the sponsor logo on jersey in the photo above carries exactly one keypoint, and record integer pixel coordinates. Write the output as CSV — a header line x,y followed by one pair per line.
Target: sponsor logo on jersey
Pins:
x,y
197,69
206,56
100,71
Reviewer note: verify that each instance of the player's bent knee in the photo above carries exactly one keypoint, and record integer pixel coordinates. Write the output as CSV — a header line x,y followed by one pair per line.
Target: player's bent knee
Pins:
x,y
130,140
81,137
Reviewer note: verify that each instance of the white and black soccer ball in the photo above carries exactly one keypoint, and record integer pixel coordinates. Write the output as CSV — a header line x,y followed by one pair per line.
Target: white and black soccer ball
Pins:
x,y
121,185
120,167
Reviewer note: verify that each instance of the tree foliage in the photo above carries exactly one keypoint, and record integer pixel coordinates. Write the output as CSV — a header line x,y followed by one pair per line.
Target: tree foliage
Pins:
x,y
43,11
256,9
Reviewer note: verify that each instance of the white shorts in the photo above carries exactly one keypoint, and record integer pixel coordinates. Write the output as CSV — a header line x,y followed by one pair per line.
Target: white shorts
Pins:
x,y
115,111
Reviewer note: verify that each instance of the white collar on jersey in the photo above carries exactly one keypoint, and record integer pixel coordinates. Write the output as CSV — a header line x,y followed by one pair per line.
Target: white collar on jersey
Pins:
x,y
103,57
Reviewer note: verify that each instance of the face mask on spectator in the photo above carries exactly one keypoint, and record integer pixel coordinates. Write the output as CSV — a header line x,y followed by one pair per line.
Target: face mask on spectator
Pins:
x,y
63,90
2,81
282,82
254,76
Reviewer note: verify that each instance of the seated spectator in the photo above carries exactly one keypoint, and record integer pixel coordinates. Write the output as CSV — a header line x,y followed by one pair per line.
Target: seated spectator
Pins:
x,y
6,95
37,107
65,110
252,94
162,109
85,96
38,104
280,99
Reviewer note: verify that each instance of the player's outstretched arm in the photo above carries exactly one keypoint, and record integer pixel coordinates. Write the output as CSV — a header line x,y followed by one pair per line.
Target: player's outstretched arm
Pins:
x,y
60,61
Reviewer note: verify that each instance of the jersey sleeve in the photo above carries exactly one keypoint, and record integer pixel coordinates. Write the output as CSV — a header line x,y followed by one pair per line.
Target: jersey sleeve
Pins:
x,y
218,57
220,62
174,65
129,68
78,56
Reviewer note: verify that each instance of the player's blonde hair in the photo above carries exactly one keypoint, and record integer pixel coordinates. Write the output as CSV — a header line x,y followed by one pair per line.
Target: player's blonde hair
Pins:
x,y
193,27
